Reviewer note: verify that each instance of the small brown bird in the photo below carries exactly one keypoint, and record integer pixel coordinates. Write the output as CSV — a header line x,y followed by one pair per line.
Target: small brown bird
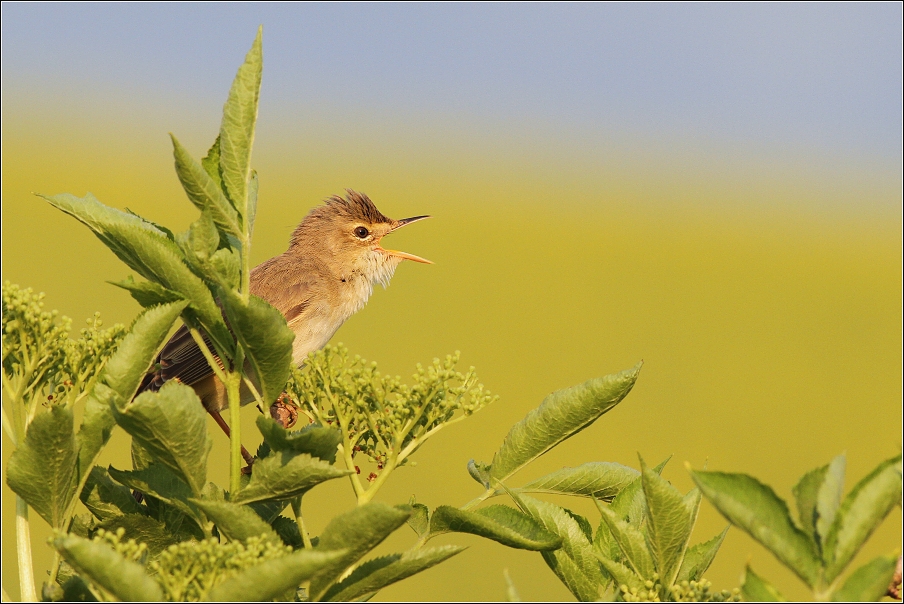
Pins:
x,y
327,274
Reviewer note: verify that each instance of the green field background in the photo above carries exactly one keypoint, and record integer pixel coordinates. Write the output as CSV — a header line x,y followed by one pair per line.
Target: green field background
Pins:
x,y
762,292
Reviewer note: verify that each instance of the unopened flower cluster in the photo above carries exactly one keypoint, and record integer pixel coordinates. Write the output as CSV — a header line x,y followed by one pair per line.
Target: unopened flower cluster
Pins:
x,y
39,358
187,571
380,414
685,591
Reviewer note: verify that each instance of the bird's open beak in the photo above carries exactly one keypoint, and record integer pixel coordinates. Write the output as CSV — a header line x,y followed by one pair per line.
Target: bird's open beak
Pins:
x,y
405,255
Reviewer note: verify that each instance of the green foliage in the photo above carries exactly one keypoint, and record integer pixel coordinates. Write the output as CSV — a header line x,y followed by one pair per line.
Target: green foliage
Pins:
x,y
834,529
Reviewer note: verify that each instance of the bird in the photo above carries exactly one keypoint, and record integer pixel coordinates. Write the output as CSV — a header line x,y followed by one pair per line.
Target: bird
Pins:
x,y
327,274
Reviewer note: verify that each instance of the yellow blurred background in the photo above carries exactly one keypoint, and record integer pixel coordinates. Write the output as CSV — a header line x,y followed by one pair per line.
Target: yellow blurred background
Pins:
x,y
762,289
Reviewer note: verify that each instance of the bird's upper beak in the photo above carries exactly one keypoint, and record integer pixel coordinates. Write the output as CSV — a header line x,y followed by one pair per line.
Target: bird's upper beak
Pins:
x,y
397,224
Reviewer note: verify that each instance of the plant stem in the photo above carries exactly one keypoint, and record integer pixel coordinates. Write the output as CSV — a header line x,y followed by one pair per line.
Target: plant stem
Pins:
x,y
486,495
23,552
233,381
299,520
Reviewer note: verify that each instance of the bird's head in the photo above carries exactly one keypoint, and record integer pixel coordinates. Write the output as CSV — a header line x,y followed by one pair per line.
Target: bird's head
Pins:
x,y
346,232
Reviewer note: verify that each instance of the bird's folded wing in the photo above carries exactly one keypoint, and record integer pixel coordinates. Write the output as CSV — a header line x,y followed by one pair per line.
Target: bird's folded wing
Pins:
x,y
182,360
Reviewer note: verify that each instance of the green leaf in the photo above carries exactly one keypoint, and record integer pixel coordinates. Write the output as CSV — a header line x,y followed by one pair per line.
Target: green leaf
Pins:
x,y
251,212
756,589
152,254
211,164
621,574
135,354
355,532
698,558
869,582
630,542
669,523
238,522
43,469
829,496
199,243
864,508
143,529
266,338
106,499
285,475
480,472
562,414
499,523
755,508
125,579
226,264
237,128
599,479
315,440
420,518
574,563
172,425
147,293
805,493
119,380
158,481
203,191
631,503
376,574
274,577
287,529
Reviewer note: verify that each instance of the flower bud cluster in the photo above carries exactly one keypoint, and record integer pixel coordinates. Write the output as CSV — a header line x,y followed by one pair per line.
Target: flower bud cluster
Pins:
x,y
37,347
380,414
34,340
685,591
130,550
187,571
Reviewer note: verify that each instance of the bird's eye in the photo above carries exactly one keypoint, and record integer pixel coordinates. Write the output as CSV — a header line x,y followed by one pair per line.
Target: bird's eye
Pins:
x,y
361,232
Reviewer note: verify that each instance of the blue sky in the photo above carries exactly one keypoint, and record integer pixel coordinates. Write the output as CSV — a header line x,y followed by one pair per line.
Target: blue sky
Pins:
x,y
825,77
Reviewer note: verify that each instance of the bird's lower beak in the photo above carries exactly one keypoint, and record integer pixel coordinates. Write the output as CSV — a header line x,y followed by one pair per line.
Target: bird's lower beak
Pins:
x,y
405,255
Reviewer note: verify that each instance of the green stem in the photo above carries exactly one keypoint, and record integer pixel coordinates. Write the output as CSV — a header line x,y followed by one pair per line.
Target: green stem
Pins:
x,y
486,495
367,495
299,520
23,551
233,382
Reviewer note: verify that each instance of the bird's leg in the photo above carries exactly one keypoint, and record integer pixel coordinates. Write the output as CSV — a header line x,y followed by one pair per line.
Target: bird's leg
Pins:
x,y
249,459
284,411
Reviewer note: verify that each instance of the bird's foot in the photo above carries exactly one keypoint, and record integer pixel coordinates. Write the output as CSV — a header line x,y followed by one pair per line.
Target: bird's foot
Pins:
x,y
284,411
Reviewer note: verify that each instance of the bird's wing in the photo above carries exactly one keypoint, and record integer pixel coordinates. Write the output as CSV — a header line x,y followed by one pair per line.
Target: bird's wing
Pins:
x,y
182,360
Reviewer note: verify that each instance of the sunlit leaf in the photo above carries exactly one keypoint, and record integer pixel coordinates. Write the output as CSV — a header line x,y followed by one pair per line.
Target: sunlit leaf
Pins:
x,y
670,520
356,532
266,338
237,127
203,191
274,577
285,475
172,425
755,508
600,479
574,563
106,499
869,582
152,254
376,574
43,469
562,414
756,589
698,557
500,523
316,440
125,579
868,503
237,522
